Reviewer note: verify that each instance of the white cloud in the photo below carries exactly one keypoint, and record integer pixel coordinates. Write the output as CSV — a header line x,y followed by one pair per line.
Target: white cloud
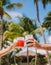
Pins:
x,y
14,14
49,39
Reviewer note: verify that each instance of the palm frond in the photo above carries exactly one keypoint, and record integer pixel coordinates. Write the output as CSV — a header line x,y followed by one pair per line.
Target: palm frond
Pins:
x,y
25,33
47,21
13,5
35,1
38,31
6,34
4,2
19,5
6,15
0,4
49,13
10,6
45,2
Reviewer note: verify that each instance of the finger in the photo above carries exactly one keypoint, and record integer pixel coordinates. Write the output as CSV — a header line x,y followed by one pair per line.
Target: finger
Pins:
x,y
35,40
30,40
29,45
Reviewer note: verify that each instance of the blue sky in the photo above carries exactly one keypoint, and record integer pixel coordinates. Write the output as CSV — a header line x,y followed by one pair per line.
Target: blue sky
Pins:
x,y
29,10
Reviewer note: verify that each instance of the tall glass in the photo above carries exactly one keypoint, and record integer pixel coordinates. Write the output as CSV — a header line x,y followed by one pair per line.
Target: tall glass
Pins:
x,y
27,37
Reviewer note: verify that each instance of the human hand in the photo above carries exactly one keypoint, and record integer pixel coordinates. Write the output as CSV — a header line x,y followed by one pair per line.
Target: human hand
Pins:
x,y
14,45
32,43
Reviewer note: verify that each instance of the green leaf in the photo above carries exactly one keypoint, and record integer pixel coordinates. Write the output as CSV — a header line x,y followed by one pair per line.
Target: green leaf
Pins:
x,y
25,33
15,27
19,5
38,31
0,4
6,15
10,6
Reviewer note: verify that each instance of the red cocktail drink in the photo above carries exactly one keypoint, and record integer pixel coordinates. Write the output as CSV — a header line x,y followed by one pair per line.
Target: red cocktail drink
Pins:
x,y
20,43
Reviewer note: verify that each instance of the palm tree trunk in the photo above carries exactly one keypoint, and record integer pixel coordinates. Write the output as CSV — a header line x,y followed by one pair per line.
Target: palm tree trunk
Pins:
x,y
41,29
1,27
1,36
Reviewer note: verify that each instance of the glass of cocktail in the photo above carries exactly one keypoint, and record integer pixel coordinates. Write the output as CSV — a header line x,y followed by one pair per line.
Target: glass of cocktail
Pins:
x,y
29,37
19,41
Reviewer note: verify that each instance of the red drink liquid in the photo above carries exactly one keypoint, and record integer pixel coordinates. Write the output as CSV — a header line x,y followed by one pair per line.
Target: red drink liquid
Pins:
x,y
20,43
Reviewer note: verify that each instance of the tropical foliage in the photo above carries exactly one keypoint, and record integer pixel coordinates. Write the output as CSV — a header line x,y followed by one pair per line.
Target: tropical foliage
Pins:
x,y
30,26
13,30
26,26
41,60
12,5
47,22
38,18
2,12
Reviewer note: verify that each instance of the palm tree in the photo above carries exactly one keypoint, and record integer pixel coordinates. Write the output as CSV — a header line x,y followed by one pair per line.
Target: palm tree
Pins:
x,y
13,30
2,12
37,9
30,27
47,22
2,2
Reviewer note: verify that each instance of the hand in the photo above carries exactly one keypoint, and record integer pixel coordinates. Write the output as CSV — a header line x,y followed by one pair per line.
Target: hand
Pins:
x,y
33,43
30,42
14,45
36,44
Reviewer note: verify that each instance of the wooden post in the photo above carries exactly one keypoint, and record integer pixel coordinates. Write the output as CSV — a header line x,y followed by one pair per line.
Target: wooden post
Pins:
x,y
36,57
27,56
